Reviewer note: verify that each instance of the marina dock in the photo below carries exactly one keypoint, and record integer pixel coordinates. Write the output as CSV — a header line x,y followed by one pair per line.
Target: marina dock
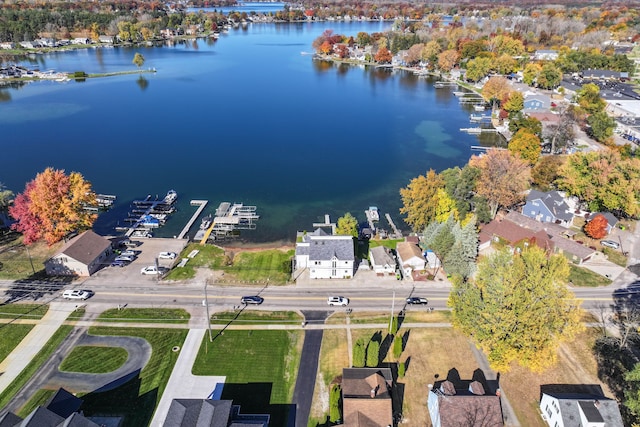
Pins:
x,y
201,205
149,213
230,217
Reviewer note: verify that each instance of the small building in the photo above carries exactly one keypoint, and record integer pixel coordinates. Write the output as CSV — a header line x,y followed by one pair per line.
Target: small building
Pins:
x,y
548,207
612,221
382,261
326,256
105,39
367,397
410,258
81,40
545,55
81,256
465,403
537,102
575,409
604,75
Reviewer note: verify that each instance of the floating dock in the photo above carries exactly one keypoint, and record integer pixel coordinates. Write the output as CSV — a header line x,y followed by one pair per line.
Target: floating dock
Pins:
x,y
230,217
145,211
201,205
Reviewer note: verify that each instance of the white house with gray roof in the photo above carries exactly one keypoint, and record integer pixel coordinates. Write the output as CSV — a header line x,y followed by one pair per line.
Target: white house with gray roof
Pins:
x,y
576,410
326,256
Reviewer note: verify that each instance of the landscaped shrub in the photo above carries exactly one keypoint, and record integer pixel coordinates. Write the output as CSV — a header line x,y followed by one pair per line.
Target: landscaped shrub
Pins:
x,y
373,353
359,353
401,369
334,404
397,346
394,325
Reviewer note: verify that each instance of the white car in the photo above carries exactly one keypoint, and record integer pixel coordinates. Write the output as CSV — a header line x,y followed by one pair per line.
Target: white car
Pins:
x,y
128,252
125,258
152,269
167,255
341,301
76,294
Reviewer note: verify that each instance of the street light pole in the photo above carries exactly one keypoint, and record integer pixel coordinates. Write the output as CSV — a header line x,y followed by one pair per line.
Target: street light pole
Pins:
x,y
206,302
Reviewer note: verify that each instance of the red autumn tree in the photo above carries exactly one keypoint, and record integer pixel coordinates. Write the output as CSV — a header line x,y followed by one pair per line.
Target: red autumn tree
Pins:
x,y
53,205
383,56
597,227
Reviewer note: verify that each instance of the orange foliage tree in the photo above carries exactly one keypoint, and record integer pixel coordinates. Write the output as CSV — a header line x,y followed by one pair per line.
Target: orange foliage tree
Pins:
x,y
597,227
383,56
53,205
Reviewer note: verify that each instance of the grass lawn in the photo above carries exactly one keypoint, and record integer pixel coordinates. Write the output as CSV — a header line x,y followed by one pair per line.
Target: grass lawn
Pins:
x,y
16,263
260,366
137,399
23,311
145,315
35,364
77,314
576,365
582,277
94,359
208,256
41,397
439,316
615,257
256,317
362,248
11,336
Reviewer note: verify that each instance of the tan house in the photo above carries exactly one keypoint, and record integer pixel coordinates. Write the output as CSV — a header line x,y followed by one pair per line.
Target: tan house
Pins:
x,y
410,258
367,397
81,256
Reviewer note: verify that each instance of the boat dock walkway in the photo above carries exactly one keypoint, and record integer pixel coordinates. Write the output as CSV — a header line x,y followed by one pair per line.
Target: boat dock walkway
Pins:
x,y
396,232
201,205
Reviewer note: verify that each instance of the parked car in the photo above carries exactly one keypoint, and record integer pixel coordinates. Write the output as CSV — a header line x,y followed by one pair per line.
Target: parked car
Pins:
x,y
167,255
119,263
417,300
126,258
337,300
77,294
129,252
152,269
252,299
610,244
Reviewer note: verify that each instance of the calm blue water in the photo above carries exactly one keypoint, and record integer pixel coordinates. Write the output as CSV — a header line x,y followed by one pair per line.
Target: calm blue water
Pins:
x,y
247,7
245,119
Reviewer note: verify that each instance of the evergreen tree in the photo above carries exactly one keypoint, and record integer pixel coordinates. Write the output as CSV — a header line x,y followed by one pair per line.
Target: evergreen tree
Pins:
x,y
359,353
373,353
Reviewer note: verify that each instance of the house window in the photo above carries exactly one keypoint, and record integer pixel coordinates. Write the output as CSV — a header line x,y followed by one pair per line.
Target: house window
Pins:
x,y
548,218
316,262
548,411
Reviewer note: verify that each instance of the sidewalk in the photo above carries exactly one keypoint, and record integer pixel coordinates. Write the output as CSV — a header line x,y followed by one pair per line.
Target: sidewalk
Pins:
x,y
183,384
35,340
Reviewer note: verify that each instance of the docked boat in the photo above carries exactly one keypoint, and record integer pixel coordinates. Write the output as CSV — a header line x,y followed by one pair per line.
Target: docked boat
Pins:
x,y
142,233
170,197
373,214
149,221
479,107
471,130
206,222
458,93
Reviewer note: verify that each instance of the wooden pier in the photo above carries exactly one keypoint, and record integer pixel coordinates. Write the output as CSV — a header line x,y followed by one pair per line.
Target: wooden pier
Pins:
x,y
396,232
201,205
159,206
230,217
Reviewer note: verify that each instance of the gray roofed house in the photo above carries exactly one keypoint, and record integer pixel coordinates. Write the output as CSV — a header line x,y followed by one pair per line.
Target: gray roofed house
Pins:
x,y
326,256
536,102
575,410
83,255
210,413
612,221
382,261
9,420
548,207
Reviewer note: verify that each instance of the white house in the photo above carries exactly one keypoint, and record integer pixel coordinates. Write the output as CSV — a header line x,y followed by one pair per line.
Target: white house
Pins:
x,y
545,55
82,256
410,257
382,261
564,410
326,256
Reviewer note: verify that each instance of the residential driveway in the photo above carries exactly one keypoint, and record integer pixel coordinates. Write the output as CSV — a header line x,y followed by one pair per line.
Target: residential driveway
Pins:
x,y
600,265
139,351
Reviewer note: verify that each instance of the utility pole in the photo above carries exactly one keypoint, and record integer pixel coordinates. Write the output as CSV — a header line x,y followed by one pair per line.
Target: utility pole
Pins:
x,y
206,303
30,260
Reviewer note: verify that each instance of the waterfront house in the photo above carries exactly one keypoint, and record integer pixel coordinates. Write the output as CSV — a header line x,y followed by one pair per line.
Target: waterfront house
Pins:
x,y
455,402
506,232
410,258
81,40
548,207
105,39
7,45
536,102
326,256
367,397
81,256
382,261
579,409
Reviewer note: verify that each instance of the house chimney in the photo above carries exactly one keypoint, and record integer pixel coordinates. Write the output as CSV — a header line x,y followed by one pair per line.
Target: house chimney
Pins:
x,y
373,393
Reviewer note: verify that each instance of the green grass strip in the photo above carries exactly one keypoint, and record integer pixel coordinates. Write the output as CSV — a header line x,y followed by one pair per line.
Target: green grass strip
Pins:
x,y
41,397
582,277
94,359
145,315
257,317
35,364
23,311
12,334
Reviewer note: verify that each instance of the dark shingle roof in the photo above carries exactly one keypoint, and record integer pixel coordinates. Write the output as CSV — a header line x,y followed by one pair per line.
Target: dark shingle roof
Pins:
x,y
9,420
554,202
64,403
324,249
198,413
77,420
86,247
42,417
593,407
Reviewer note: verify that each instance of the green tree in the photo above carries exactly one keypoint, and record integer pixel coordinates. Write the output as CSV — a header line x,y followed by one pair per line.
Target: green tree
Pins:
x,y
335,414
530,73
477,69
6,196
397,346
602,125
546,171
359,353
373,353
518,308
347,225
527,145
503,178
419,199
522,121
138,60
549,76
589,99
514,104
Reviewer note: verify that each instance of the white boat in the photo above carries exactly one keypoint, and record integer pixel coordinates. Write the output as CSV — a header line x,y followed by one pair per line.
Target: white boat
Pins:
x,y
170,197
206,222
479,107
471,130
372,214
458,93
141,233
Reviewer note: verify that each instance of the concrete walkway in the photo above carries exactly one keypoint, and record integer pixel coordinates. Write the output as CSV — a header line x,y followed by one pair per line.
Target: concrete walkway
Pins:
x,y
35,340
183,384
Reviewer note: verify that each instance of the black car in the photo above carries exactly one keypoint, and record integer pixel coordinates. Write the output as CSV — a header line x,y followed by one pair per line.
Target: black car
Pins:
x,y
417,300
252,299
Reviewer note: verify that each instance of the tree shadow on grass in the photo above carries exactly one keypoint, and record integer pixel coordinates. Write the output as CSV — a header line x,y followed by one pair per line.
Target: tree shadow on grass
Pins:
x,y
254,398
124,401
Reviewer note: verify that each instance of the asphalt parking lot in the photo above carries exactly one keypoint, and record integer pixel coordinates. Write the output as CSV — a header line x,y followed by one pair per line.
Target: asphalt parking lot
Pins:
x,y
147,253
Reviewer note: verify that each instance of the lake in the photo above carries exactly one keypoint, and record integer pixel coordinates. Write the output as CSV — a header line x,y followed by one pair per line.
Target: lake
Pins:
x,y
248,118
